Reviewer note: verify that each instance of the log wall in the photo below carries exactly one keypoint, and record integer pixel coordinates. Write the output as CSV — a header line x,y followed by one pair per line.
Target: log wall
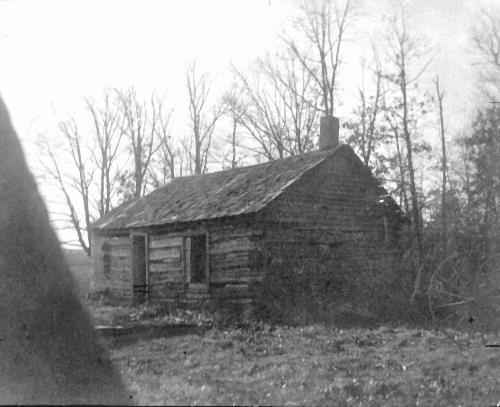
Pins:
x,y
231,254
111,261
166,268
232,261
333,205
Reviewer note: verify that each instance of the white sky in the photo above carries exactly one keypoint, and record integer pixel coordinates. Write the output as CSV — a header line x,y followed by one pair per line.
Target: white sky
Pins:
x,y
55,53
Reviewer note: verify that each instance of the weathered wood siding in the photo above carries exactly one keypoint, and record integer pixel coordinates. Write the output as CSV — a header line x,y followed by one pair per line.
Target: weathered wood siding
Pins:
x,y
166,270
232,255
231,263
111,261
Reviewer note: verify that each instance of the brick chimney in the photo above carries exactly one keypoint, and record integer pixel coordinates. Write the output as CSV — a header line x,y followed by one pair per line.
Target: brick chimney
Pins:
x,y
328,132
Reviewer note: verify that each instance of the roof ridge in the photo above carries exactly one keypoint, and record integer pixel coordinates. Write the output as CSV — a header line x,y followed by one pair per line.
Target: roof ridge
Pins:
x,y
269,162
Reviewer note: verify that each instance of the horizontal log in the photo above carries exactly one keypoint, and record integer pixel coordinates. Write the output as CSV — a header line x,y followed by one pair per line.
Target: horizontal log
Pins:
x,y
196,287
229,260
165,253
226,233
156,241
159,273
230,245
190,295
165,278
120,267
117,256
243,275
165,290
165,266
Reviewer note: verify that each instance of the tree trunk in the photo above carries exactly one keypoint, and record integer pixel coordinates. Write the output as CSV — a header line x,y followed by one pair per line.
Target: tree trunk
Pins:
x,y
444,169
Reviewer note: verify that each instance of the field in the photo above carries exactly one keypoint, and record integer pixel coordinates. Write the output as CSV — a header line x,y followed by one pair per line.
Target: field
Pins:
x,y
313,366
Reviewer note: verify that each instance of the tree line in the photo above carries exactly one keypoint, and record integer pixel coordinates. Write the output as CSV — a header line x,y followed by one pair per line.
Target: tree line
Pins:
x,y
271,111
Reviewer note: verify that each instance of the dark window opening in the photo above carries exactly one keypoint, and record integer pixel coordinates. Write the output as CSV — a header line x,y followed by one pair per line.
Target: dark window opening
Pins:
x,y
139,265
106,258
199,259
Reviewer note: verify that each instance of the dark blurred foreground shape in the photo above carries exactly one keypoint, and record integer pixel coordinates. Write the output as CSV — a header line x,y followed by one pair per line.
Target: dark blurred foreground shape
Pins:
x,y
48,349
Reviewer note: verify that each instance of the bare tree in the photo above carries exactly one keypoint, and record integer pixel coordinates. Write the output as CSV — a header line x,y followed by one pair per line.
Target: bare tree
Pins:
x,y
264,117
401,162
486,39
75,185
444,166
141,120
279,104
168,152
405,51
235,111
108,130
202,118
365,135
295,87
323,23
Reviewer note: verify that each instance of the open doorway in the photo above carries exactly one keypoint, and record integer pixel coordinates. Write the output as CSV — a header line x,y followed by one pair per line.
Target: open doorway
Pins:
x,y
196,260
199,259
139,269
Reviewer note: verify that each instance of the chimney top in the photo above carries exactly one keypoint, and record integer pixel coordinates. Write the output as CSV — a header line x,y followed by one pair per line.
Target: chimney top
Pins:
x,y
328,132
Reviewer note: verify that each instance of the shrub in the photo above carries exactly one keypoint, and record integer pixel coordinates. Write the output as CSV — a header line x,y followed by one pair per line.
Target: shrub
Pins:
x,y
339,286
226,313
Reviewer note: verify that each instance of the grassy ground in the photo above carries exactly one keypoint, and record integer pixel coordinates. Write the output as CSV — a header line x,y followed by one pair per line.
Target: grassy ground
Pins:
x,y
313,366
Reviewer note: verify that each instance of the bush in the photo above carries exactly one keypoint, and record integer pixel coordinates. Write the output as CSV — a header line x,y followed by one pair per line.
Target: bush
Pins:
x,y
228,314
465,296
331,286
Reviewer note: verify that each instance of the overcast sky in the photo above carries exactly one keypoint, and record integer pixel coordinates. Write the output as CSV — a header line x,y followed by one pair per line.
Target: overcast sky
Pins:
x,y
55,53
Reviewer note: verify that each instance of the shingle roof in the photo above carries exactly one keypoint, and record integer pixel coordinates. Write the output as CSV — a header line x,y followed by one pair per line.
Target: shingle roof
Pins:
x,y
220,194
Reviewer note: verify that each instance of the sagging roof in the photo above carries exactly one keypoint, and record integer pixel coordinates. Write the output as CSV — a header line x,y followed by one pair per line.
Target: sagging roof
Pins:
x,y
232,192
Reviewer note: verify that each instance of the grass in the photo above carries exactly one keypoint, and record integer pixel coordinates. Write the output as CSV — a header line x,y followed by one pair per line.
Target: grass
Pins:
x,y
312,366
122,315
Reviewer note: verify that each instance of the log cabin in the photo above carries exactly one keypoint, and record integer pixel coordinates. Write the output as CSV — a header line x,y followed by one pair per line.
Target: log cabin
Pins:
x,y
211,236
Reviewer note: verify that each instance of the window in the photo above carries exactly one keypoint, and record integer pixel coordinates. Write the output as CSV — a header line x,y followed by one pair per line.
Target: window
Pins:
x,y
196,259
106,258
